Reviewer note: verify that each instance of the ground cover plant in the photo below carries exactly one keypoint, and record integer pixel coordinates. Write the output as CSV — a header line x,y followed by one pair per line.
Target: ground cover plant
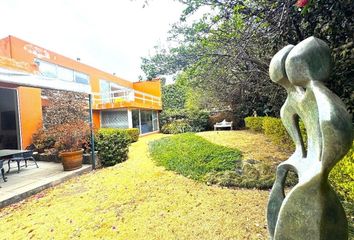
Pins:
x,y
193,156
137,200
199,159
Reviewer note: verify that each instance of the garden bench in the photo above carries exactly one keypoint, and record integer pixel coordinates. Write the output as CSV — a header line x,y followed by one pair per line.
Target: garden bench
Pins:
x,y
223,124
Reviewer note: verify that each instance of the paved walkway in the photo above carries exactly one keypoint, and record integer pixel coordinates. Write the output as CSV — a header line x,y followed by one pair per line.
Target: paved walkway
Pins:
x,y
137,200
32,180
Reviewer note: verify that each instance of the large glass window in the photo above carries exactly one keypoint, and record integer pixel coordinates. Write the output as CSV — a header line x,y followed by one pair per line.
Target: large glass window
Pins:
x,y
55,71
113,92
47,69
65,74
114,119
82,78
105,91
155,120
136,119
146,121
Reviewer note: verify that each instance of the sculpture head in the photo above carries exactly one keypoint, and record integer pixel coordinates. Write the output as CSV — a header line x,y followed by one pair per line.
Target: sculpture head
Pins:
x,y
277,71
310,60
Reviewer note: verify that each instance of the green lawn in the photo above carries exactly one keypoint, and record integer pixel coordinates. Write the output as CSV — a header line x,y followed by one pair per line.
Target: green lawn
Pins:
x,y
137,200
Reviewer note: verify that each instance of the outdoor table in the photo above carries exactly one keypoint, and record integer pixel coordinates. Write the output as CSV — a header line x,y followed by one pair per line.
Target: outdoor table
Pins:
x,y
8,154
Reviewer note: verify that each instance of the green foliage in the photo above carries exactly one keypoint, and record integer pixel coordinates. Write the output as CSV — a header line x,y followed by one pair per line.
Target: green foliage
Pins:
x,y
197,158
173,97
193,156
133,134
112,145
226,52
274,129
254,123
179,121
342,177
198,120
175,127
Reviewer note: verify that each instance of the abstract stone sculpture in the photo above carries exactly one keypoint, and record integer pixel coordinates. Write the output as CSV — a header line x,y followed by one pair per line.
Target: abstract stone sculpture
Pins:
x,y
311,210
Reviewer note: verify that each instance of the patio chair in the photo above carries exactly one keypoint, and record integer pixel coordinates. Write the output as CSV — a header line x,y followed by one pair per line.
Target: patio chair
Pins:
x,y
2,170
23,156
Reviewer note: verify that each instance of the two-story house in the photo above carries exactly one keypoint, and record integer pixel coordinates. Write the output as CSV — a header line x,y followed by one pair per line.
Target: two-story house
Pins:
x,y
25,68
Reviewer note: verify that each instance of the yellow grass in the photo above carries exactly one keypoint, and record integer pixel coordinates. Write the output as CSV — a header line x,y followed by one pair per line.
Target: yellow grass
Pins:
x,y
137,200
252,145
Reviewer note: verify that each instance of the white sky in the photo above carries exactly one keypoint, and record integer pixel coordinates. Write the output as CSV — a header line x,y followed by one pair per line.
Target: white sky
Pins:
x,y
110,35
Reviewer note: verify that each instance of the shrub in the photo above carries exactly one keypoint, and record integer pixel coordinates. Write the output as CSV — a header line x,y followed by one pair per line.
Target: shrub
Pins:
x,y
43,139
177,126
342,177
275,130
198,120
193,156
133,134
254,123
70,136
112,145
179,121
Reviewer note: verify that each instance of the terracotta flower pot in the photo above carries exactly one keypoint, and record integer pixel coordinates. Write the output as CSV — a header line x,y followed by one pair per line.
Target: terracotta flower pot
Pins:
x,y
71,160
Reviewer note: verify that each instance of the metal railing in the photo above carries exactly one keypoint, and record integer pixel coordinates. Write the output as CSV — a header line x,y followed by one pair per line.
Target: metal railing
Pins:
x,y
121,96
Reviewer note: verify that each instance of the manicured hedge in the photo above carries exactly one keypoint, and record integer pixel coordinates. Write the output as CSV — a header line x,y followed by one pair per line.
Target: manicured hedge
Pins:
x,y
274,129
342,177
133,134
254,123
112,145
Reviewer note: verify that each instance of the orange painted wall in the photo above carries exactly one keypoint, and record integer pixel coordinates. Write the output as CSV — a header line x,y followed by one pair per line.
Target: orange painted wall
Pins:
x,y
27,52
96,119
5,47
30,109
151,87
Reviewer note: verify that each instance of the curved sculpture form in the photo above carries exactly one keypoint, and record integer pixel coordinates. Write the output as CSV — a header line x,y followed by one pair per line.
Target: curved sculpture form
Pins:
x,y
311,210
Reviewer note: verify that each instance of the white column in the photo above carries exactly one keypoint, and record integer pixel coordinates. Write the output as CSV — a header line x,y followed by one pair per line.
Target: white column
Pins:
x,y
130,118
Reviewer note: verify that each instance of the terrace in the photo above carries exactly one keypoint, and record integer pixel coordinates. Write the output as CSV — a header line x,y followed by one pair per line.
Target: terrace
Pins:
x,y
125,98
32,180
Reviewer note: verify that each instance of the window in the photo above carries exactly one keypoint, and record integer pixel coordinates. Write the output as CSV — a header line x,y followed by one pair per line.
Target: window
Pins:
x,y
47,69
112,92
105,91
136,119
114,119
146,121
82,78
155,124
65,74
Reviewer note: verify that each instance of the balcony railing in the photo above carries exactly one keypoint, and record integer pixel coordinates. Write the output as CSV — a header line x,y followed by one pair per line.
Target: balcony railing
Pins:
x,y
126,96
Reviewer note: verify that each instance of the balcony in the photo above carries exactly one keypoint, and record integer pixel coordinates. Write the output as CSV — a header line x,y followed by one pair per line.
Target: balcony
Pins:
x,y
124,99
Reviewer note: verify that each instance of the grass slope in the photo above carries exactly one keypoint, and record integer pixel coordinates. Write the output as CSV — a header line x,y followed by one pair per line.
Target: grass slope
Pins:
x,y
137,200
192,156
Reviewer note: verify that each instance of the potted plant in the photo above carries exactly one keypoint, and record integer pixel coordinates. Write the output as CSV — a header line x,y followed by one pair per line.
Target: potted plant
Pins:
x,y
69,141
